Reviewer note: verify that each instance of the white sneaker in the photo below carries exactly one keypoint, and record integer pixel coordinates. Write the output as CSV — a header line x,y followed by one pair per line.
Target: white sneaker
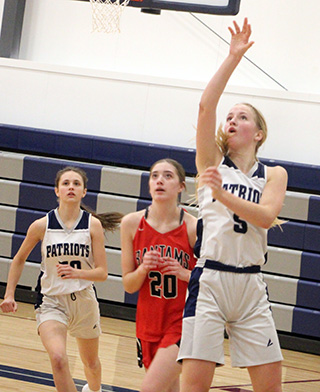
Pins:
x,y
86,388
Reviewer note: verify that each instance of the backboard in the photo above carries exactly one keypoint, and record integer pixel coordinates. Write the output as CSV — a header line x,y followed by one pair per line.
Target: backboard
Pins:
x,y
217,7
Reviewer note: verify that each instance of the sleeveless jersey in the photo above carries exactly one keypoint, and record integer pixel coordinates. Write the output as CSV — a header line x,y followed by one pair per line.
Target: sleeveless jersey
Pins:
x,y
223,236
65,246
162,297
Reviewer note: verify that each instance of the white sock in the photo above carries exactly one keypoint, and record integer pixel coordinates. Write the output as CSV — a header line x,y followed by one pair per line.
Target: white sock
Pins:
x,y
87,389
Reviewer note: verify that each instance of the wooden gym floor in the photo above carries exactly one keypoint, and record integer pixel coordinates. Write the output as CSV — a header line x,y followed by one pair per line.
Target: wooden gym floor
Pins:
x,y
24,364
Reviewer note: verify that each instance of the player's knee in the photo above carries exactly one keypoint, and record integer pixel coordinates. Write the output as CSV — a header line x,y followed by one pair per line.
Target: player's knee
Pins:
x,y
93,364
59,361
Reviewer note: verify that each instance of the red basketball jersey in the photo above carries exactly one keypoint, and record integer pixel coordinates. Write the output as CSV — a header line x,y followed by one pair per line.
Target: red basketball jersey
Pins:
x,y
162,297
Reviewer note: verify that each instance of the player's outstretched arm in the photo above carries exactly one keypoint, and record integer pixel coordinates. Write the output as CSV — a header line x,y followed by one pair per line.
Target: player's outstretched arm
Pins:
x,y
208,153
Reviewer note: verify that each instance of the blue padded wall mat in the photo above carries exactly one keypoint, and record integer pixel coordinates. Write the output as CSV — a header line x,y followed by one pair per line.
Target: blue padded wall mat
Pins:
x,y
110,150
308,295
289,235
36,140
79,147
131,299
145,154
144,186
142,204
38,197
307,175
24,218
306,322
310,266
9,136
44,170
125,152
34,256
312,238
41,197
314,209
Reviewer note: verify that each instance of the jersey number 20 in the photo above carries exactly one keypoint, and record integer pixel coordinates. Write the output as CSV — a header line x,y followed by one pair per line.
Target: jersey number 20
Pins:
x,y
162,285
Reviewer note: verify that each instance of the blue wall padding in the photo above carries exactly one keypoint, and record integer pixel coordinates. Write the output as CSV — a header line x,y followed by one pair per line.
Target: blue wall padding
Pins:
x,y
24,218
289,235
314,209
78,147
310,266
40,170
312,238
306,322
305,177
145,155
38,141
34,256
38,197
144,186
44,170
308,295
129,153
131,299
187,158
9,136
142,204
106,150
41,197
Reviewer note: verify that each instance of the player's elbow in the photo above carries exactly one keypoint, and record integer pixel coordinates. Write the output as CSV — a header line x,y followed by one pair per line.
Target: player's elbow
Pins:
x,y
203,107
128,286
267,221
103,276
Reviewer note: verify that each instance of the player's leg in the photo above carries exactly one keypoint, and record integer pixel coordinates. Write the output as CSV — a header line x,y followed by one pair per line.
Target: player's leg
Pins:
x,y
53,335
163,372
266,378
89,353
197,375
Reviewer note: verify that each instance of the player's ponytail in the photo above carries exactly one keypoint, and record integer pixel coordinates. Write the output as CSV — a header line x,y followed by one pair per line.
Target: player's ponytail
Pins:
x,y
110,220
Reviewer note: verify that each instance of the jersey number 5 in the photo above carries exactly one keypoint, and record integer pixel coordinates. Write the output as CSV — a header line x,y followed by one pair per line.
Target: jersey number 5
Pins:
x,y
162,285
240,225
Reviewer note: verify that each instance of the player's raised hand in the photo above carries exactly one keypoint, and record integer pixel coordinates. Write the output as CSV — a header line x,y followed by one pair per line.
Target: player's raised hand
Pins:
x,y
240,38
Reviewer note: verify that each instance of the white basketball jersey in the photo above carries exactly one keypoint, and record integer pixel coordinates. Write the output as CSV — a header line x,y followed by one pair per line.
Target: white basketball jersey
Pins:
x,y
65,246
222,235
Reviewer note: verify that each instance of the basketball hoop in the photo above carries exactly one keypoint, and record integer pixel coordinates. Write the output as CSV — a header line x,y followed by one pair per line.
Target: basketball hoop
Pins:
x,y
106,15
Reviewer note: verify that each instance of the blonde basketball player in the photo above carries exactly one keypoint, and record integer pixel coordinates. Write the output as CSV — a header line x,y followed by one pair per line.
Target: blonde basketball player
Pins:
x,y
73,257
239,199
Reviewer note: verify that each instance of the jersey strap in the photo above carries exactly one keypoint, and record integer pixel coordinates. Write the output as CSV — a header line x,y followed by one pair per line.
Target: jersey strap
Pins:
x,y
53,221
180,219
216,265
84,221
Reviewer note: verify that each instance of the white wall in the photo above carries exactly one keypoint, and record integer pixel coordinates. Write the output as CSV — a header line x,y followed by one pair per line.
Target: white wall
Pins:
x,y
145,83
176,45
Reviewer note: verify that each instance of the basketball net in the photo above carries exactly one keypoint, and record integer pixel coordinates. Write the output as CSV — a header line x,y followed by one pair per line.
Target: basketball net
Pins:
x,y
106,15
